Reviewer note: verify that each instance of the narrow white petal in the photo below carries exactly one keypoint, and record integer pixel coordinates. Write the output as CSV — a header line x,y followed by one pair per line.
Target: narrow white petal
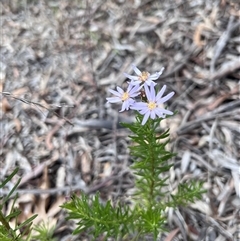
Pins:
x,y
131,77
139,106
113,99
153,114
161,70
114,92
135,94
144,111
149,82
136,70
154,76
124,106
145,118
165,98
134,89
136,82
160,111
159,95
152,91
147,92
130,102
120,90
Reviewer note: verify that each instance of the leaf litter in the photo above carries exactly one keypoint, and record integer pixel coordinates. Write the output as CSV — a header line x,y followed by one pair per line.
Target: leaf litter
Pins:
x,y
58,59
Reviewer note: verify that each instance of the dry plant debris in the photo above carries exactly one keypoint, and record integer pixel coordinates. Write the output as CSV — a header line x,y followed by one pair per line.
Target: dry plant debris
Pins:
x,y
57,60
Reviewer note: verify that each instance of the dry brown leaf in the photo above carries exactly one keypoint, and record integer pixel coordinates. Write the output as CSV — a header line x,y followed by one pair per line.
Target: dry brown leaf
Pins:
x,y
197,37
20,91
18,125
5,106
172,234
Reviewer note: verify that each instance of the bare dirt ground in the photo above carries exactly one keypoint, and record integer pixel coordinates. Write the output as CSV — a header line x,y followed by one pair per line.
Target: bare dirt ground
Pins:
x,y
57,61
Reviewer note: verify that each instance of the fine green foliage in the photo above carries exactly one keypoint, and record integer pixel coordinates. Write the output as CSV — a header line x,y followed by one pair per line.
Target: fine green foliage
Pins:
x,y
4,234
188,192
97,218
147,215
150,220
45,233
150,159
19,232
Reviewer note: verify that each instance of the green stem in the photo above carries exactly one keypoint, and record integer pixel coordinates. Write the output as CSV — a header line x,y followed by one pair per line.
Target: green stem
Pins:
x,y
4,222
152,177
151,194
6,225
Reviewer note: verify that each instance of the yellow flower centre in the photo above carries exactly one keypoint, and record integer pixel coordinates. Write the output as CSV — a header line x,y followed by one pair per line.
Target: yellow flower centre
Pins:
x,y
152,105
144,76
125,96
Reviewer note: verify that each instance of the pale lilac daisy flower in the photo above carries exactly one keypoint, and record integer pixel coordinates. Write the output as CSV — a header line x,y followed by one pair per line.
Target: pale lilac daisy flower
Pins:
x,y
125,97
153,108
143,77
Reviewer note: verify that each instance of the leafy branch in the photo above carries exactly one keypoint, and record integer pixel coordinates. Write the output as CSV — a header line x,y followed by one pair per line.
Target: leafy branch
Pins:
x,y
97,218
20,232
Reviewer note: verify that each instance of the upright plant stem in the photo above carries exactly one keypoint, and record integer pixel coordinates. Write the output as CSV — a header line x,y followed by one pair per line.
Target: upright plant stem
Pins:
x,y
153,175
4,222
